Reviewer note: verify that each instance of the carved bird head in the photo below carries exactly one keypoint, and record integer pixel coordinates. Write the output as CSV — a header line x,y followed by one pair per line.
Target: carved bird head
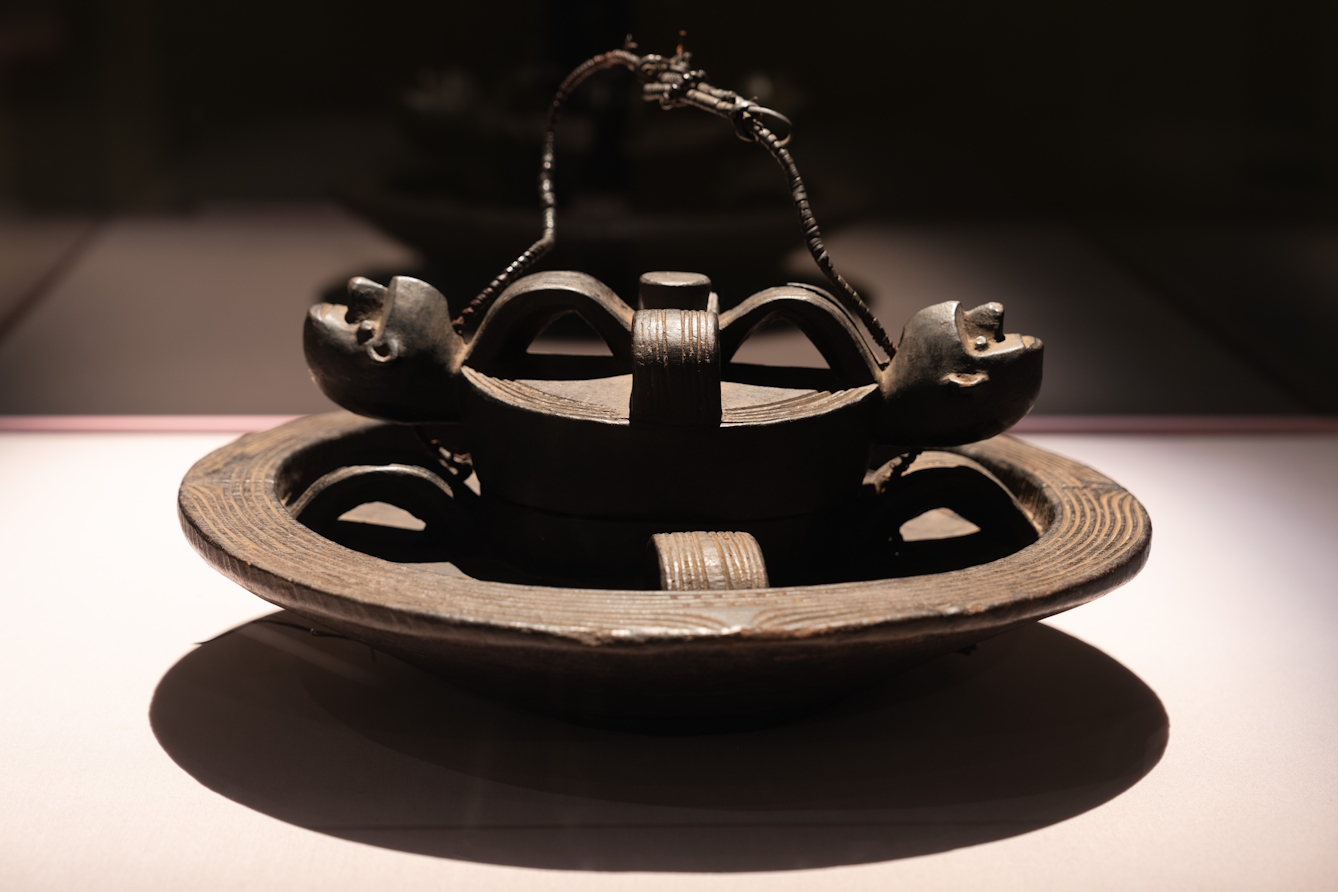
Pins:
x,y
957,378
389,352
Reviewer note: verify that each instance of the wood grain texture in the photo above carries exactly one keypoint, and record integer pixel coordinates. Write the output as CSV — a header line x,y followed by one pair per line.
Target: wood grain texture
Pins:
x,y
648,653
675,368
707,560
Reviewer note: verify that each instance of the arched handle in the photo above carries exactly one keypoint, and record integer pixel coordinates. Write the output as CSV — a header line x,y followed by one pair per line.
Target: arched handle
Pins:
x,y
673,83
524,309
815,314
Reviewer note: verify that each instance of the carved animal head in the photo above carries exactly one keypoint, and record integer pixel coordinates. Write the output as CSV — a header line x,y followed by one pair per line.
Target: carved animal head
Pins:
x,y
957,378
390,352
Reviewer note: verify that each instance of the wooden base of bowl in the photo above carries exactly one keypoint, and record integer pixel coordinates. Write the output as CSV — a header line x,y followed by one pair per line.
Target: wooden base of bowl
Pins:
x,y
643,656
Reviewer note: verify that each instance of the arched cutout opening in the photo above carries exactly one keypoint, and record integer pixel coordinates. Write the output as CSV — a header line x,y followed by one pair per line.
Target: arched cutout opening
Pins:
x,y
396,512
935,524
568,335
522,312
828,330
779,342
383,514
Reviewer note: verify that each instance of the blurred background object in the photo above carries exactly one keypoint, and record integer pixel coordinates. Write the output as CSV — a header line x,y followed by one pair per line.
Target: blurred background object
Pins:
x,y
1150,187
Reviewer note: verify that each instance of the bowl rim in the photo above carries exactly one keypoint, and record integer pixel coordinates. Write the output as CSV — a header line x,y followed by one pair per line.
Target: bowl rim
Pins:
x,y
1094,537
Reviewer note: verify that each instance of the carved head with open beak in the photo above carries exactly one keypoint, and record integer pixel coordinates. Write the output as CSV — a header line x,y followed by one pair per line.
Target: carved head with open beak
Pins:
x,y
957,378
390,352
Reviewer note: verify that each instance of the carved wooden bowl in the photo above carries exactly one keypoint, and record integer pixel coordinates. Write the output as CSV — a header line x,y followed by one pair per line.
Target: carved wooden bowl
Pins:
x,y
648,655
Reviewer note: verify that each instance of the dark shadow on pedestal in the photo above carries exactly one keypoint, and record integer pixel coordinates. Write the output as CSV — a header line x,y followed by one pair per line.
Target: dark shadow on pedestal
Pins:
x,y
1030,729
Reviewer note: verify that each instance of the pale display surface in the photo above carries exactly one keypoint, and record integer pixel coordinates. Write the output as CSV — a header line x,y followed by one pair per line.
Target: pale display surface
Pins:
x,y
271,759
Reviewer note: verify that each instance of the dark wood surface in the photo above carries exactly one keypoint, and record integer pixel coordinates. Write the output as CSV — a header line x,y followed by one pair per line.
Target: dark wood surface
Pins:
x,y
653,653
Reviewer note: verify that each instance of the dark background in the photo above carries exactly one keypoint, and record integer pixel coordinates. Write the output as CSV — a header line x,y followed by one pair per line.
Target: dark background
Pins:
x,y
1169,110
1152,187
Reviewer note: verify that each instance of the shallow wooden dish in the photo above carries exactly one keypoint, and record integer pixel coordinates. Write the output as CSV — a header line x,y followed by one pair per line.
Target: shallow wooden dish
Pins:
x,y
649,655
